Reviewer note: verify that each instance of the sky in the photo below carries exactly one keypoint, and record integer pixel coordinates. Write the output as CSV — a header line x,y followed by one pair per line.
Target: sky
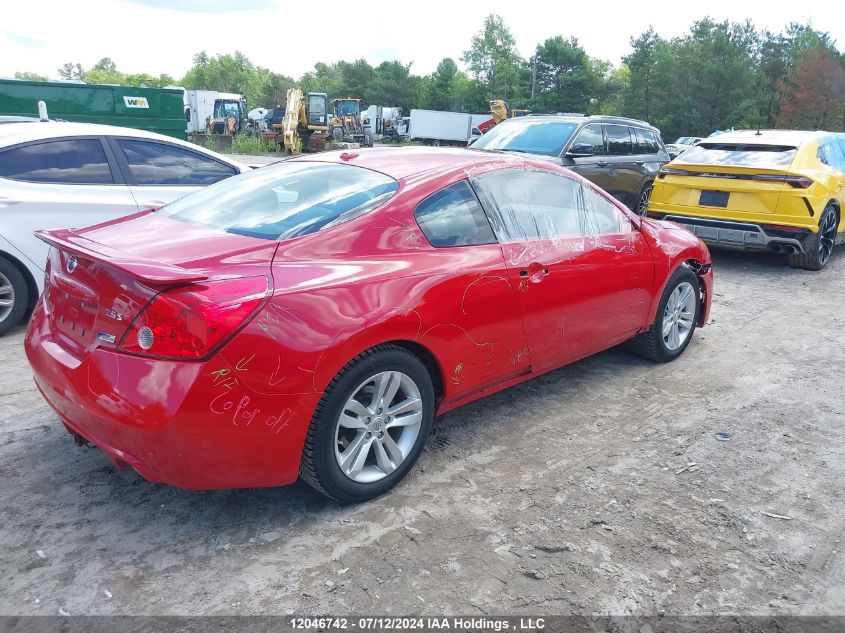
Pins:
x,y
289,37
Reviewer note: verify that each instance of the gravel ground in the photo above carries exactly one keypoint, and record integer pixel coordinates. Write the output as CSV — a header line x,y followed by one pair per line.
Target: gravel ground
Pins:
x,y
597,488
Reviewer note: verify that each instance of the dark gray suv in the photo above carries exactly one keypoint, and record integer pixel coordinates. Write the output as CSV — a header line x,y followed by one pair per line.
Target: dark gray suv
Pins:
x,y
622,156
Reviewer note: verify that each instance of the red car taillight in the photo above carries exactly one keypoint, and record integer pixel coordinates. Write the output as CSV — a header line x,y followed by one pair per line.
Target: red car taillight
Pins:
x,y
191,322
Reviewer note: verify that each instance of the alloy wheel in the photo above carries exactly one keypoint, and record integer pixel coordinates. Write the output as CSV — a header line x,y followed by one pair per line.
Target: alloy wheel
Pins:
x,y
827,238
642,203
678,316
378,426
7,297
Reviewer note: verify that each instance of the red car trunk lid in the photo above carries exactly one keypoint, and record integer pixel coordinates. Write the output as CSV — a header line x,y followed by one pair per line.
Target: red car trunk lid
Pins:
x,y
90,303
96,288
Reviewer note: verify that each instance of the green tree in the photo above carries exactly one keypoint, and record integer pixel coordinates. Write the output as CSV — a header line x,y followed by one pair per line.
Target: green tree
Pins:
x,y
324,78
640,93
30,76
493,60
774,60
236,73
721,59
605,86
441,89
70,71
357,76
565,77
391,85
469,95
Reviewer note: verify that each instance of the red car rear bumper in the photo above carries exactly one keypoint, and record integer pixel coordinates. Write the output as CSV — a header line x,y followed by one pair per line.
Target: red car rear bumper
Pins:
x,y
167,420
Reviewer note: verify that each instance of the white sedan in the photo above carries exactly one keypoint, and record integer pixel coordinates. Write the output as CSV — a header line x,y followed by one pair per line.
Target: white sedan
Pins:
x,y
64,175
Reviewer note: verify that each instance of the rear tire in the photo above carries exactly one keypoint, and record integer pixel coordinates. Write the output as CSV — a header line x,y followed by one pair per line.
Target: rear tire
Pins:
x,y
14,296
641,207
358,448
818,247
675,323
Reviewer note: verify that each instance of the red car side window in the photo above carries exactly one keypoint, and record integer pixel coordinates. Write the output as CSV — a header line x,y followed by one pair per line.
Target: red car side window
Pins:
x,y
453,217
533,204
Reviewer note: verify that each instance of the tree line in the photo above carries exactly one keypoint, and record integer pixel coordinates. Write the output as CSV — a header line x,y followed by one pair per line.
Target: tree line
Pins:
x,y
716,76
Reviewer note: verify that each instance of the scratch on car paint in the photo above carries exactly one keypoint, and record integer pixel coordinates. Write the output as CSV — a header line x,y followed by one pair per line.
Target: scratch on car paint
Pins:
x,y
487,344
243,362
411,233
272,379
241,416
560,328
518,356
222,378
475,281
455,379
404,310
413,238
284,313
523,285
278,422
266,330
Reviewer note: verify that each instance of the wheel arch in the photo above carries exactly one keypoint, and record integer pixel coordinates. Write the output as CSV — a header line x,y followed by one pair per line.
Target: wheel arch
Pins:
x,y
700,268
429,360
330,364
833,202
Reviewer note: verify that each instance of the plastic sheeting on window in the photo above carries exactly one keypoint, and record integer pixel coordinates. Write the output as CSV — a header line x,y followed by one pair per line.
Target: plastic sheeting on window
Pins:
x,y
532,204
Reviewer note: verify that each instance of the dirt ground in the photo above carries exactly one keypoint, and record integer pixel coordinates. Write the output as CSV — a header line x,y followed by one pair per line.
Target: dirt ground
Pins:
x,y
598,488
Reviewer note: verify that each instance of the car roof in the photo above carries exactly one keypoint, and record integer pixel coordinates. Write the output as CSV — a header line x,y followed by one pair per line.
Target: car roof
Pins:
x,y
14,133
580,118
25,131
766,137
405,162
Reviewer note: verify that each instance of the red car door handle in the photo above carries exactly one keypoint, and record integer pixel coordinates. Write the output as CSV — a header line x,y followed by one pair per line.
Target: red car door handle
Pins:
x,y
535,272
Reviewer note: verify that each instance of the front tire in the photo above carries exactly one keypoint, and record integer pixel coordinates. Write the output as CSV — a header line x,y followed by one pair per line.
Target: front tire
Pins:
x,y
14,296
677,316
370,425
819,246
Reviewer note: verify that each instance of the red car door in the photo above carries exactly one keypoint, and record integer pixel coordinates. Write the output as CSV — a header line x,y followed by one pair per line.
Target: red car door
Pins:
x,y
584,272
476,328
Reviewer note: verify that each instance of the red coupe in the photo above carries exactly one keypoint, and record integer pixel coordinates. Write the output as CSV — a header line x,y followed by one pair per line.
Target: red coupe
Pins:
x,y
312,318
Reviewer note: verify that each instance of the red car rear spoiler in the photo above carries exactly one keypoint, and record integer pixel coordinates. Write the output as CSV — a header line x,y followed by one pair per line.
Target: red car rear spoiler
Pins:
x,y
149,271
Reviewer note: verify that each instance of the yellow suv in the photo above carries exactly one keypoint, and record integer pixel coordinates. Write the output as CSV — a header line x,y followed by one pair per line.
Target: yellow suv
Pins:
x,y
777,190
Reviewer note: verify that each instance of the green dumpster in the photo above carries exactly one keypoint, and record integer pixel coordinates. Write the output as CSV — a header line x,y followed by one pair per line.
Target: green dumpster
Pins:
x,y
159,110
